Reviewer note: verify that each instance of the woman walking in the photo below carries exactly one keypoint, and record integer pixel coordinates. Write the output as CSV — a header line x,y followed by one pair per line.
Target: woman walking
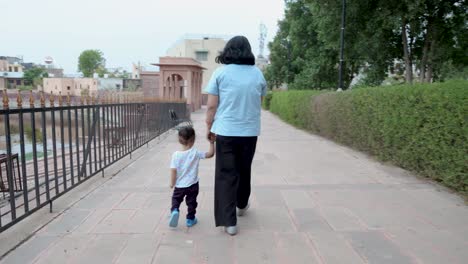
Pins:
x,y
235,92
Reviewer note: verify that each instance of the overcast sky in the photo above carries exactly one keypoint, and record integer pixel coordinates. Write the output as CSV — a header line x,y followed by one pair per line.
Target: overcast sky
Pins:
x,y
125,31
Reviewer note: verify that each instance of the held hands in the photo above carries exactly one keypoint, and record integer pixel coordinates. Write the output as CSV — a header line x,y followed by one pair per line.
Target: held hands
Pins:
x,y
211,137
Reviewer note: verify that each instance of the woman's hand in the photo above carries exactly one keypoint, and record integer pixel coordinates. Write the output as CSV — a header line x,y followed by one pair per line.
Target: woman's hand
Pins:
x,y
210,114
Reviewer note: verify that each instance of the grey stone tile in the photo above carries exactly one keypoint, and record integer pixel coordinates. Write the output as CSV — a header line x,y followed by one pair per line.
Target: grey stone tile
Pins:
x,y
214,248
274,219
143,221
254,220
420,248
341,219
308,219
65,249
268,197
444,242
174,254
140,248
103,249
376,248
296,248
92,220
101,200
334,249
114,222
176,246
298,199
159,201
92,201
67,222
256,248
134,201
27,252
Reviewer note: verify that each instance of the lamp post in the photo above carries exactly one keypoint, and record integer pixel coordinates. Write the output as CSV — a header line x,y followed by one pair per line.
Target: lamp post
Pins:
x,y
289,59
287,44
343,20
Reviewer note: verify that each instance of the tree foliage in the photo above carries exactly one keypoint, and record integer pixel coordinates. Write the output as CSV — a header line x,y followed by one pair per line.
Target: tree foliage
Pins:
x,y
34,75
90,62
426,38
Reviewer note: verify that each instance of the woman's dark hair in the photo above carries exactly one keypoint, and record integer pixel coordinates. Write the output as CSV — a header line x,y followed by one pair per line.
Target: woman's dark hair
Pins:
x,y
186,135
237,51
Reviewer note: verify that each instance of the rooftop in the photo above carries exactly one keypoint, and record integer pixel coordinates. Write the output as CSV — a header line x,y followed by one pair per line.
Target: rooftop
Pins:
x,y
178,61
202,36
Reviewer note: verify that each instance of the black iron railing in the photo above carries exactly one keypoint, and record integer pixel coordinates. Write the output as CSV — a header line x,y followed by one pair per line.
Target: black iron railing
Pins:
x,y
47,151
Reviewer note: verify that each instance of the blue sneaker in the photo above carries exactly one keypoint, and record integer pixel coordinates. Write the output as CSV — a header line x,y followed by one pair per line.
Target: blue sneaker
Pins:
x,y
174,220
191,222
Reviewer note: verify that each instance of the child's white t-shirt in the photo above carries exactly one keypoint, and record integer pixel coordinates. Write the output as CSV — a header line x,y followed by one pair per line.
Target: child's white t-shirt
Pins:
x,y
186,163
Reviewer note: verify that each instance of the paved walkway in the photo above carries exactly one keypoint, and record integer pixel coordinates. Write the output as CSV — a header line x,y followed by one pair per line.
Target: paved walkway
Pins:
x,y
313,202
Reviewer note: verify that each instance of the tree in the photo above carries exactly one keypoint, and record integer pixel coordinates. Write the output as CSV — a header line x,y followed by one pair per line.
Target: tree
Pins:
x,y
34,76
91,61
428,37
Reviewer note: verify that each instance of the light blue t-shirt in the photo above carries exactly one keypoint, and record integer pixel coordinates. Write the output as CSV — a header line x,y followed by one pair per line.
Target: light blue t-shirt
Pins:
x,y
186,162
239,89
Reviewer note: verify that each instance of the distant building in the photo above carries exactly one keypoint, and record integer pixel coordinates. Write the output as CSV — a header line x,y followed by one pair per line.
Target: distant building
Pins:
x,y
149,83
131,84
11,80
177,78
11,60
203,48
115,84
54,72
28,65
85,86
74,86
78,86
11,72
181,78
59,86
10,64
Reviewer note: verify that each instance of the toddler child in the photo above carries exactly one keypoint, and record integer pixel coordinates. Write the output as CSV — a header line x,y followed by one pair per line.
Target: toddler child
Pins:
x,y
184,176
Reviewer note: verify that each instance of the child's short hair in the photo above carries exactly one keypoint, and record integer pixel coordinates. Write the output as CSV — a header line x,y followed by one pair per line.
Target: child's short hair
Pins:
x,y
186,135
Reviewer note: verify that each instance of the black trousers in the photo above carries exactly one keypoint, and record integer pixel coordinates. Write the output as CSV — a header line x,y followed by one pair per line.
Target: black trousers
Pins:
x,y
234,157
190,193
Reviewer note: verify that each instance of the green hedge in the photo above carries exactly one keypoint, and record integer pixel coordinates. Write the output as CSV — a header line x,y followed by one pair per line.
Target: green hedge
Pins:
x,y
293,106
267,101
422,128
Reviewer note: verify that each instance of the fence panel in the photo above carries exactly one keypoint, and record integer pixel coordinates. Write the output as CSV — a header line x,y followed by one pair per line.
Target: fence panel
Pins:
x,y
46,151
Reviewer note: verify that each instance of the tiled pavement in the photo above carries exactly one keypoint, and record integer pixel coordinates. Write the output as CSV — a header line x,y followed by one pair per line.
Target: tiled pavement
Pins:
x,y
313,202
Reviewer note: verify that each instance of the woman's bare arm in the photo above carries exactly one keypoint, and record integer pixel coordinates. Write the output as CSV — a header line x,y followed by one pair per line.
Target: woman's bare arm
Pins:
x,y
210,114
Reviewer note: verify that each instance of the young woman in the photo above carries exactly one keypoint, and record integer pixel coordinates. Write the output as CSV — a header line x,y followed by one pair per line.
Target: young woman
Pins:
x,y
235,92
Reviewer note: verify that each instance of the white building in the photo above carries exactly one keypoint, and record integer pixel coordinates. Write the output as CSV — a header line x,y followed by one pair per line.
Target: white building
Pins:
x,y
203,48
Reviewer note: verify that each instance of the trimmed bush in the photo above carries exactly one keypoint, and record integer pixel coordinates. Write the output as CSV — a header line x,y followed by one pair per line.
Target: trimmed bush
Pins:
x,y
293,106
25,87
422,128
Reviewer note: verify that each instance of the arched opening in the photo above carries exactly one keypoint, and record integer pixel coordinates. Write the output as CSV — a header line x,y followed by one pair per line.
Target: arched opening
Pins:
x,y
178,86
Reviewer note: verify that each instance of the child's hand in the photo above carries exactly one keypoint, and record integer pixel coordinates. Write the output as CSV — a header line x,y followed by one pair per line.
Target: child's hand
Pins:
x,y
171,186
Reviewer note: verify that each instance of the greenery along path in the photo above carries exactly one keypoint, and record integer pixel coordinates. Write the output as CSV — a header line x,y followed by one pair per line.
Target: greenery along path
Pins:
x,y
422,127
382,39
313,201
